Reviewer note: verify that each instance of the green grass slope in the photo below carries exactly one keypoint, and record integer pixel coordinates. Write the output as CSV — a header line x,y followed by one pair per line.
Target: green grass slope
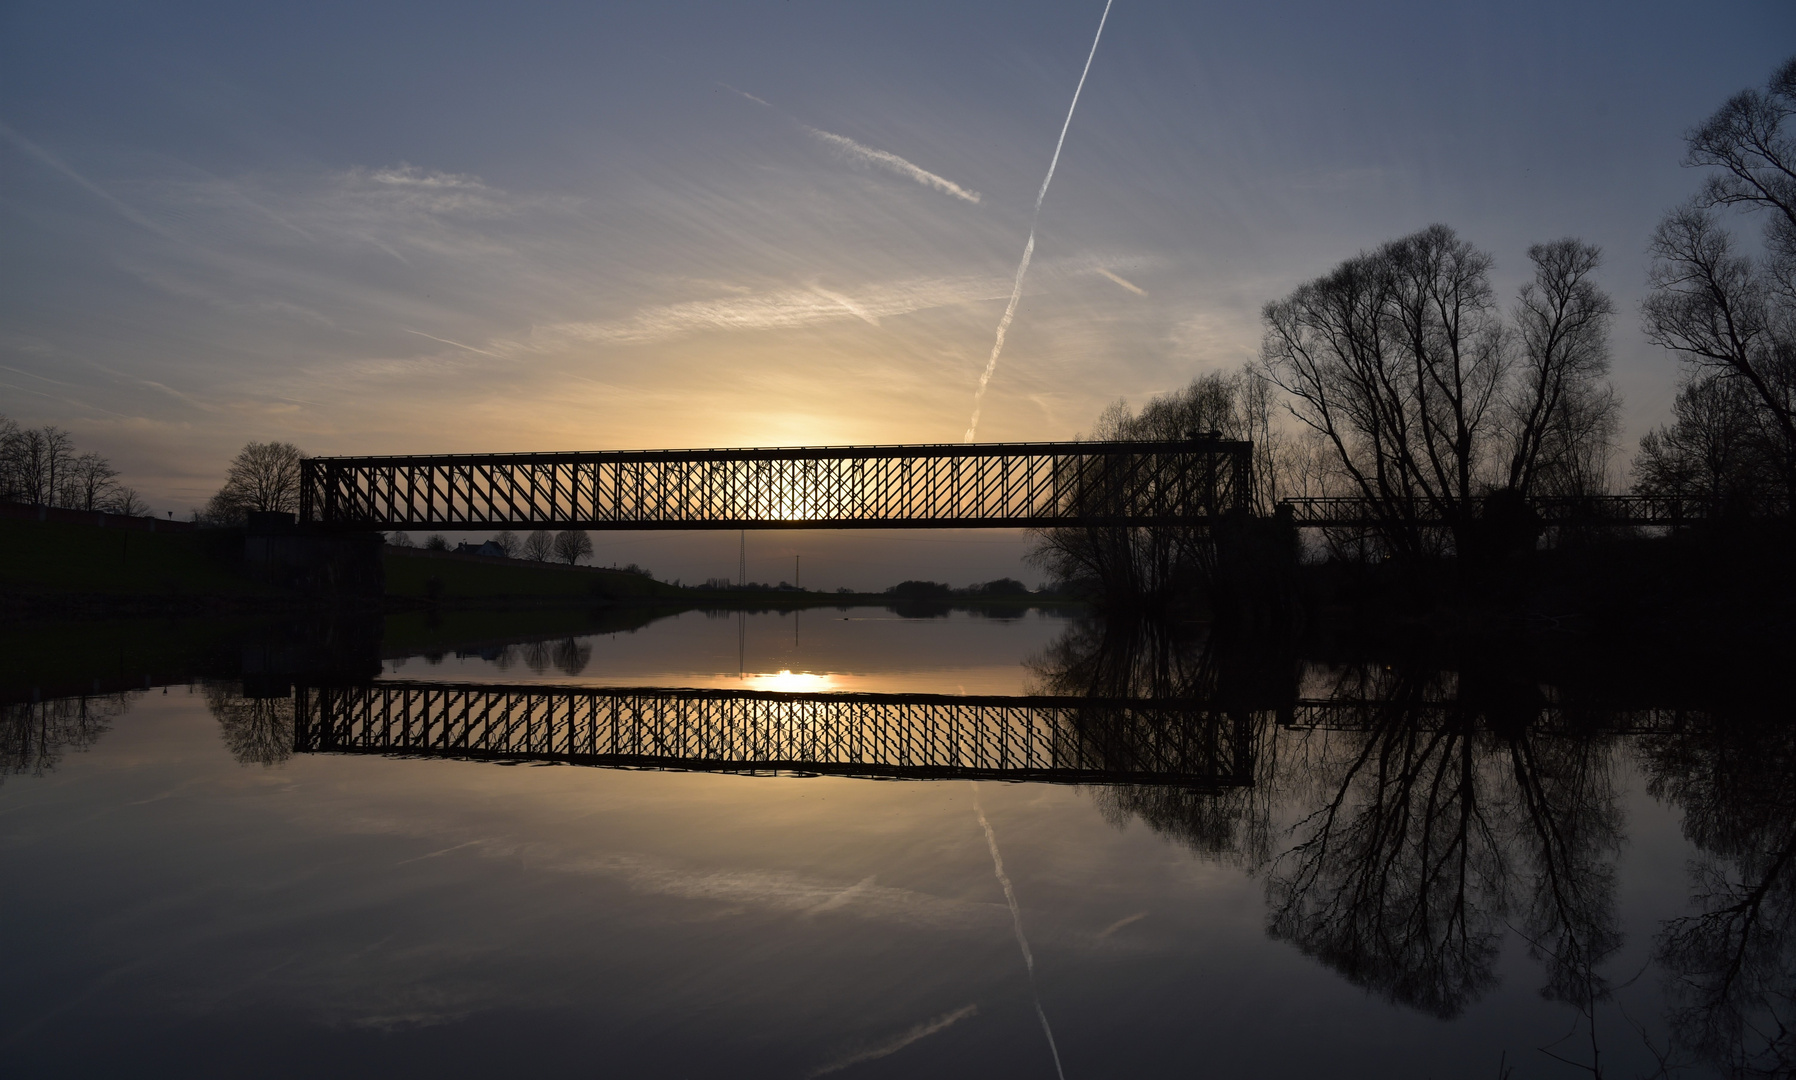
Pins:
x,y
48,557
413,574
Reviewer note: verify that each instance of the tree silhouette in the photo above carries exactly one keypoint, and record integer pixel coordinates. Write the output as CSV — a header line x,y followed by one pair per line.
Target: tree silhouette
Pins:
x,y
572,545
1725,313
539,546
1400,365
262,477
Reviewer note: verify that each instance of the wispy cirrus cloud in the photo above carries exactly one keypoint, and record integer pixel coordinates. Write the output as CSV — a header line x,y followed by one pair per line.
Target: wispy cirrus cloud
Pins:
x,y
779,309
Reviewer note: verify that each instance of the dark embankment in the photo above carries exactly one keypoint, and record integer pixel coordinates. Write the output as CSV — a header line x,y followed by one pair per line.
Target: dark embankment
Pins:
x,y
42,659
51,567
1741,578
449,579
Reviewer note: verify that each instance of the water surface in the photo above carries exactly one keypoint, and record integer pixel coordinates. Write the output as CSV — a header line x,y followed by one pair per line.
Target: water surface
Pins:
x,y
1401,873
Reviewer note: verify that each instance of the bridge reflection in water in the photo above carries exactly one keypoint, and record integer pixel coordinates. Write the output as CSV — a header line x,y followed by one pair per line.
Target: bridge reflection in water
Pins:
x,y
888,736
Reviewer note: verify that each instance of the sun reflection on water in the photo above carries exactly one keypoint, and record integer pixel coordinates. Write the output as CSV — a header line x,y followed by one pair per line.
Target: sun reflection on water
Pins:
x,y
786,681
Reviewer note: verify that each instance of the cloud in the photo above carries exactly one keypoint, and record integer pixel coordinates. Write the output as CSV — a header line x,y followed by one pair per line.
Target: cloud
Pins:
x,y
777,310
891,162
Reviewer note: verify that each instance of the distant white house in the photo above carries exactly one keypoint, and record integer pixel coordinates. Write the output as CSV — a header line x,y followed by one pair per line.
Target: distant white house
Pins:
x,y
489,548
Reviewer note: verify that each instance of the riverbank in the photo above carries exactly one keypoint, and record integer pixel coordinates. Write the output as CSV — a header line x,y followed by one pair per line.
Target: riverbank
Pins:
x,y
55,569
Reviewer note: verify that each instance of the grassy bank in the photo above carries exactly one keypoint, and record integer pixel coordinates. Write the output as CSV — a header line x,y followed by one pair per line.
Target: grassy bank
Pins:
x,y
42,559
61,570
448,578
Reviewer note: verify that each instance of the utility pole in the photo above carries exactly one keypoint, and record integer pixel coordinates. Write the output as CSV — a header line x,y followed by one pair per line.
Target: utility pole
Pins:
x,y
742,558
797,581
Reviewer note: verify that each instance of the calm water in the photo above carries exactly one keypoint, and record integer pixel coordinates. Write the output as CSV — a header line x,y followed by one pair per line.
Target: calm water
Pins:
x,y
1318,869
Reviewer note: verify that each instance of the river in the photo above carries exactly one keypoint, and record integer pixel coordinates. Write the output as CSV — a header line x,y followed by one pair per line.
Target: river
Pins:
x,y
860,842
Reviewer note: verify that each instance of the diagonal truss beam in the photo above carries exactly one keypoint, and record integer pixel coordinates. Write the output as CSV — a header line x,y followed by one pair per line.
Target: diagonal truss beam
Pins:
x,y
896,736
980,485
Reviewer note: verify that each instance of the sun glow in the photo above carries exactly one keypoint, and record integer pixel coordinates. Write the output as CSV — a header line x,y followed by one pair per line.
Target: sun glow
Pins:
x,y
788,682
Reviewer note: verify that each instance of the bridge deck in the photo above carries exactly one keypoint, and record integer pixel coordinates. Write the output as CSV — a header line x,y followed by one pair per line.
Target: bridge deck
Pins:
x,y
978,485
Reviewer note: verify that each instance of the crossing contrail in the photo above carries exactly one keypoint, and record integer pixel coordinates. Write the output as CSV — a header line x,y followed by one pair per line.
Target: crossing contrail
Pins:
x,y
1016,921
1016,290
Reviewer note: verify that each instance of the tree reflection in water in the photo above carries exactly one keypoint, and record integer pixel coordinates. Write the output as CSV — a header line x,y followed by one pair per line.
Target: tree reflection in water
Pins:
x,y
1732,965
1146,659
1402,817
1450,813
34,735
256,730
569,656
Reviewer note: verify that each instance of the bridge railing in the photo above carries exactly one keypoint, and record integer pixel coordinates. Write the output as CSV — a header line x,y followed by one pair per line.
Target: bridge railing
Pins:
x,y
1007,485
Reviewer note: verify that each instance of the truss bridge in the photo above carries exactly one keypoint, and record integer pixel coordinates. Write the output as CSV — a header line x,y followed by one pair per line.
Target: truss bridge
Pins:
x,y
972,485
887,736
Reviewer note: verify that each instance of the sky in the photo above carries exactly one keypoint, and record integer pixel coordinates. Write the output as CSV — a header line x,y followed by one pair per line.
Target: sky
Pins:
x,y
415,228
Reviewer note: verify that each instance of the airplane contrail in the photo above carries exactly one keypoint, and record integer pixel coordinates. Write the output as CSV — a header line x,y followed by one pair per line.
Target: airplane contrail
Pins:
x,y
1016,290
887,160
98,192
1124,282
868,155
1016,920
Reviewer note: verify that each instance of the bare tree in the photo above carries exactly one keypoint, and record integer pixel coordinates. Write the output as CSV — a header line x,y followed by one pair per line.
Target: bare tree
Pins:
x,y
1723,311
401,539
1156,563
508,544
1712,451
263,476
539,546
1399,365
436,542
57,449
89,482
126,501
1560,412
1448,334
35,461
572,545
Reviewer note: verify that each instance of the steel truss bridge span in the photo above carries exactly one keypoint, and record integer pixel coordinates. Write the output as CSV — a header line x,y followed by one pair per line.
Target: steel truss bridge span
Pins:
x,y
888,736
971,485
